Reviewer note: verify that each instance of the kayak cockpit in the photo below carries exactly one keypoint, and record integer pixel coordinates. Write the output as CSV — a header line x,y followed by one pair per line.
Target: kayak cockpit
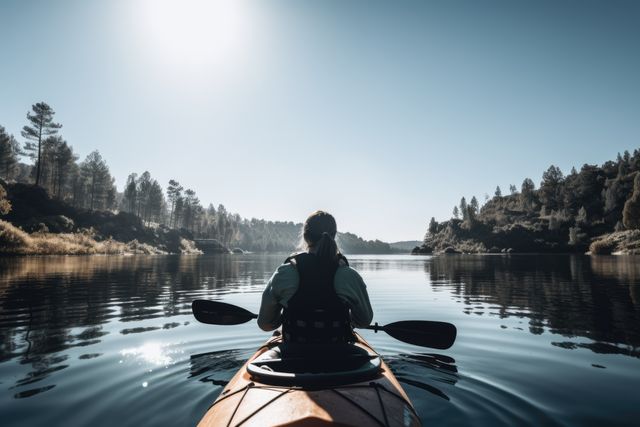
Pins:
x,y
347,364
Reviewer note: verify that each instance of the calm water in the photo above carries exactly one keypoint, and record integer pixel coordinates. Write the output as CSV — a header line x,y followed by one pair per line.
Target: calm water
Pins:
x,y
543,340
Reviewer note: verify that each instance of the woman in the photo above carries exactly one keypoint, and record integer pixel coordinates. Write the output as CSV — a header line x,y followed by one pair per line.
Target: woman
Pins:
x,y
315,295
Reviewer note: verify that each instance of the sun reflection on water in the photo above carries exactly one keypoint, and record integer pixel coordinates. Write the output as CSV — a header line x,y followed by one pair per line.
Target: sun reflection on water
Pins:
x,y
153,353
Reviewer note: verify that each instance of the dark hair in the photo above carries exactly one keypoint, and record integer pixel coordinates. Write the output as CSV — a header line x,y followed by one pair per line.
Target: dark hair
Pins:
x,y
319,232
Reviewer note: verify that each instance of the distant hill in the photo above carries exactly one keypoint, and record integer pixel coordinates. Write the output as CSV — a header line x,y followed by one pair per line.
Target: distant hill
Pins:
x,y
405,245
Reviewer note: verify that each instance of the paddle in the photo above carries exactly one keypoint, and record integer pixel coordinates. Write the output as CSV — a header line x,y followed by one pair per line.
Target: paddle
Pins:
x,y
220,313
424,333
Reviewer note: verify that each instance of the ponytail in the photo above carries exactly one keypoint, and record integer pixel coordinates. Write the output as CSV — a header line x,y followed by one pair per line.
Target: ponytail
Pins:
x,y
319,233
327,249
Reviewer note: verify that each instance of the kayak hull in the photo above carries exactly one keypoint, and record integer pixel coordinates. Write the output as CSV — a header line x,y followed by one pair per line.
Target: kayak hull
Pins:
x,y
245,401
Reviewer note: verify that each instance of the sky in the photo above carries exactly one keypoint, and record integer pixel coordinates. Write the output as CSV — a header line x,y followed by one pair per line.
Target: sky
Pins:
x,y
382,113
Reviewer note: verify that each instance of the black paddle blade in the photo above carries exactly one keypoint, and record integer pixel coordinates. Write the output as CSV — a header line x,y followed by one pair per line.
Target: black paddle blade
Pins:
x,y
220,313
440,335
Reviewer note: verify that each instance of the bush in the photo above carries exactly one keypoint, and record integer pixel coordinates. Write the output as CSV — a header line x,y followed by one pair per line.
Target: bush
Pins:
x,y
602,247
5,205
13,240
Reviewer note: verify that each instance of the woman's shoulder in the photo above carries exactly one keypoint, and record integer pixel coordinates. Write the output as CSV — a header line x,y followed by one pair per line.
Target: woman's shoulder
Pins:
x,y
347,273
286,269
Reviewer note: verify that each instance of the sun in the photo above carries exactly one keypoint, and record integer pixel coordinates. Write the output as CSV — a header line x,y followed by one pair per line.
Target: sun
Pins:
x,y
193,33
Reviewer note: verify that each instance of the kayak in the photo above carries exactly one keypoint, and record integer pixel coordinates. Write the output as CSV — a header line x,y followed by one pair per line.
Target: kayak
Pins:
x,y
346,388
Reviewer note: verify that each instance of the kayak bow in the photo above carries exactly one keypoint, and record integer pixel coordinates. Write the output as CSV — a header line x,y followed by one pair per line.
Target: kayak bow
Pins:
x,y
356,389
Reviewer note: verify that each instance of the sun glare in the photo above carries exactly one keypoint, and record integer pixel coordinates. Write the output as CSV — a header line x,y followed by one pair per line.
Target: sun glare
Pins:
x,y
194,33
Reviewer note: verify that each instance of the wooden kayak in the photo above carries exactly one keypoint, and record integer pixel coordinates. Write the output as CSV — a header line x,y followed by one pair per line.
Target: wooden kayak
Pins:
x,y
290,391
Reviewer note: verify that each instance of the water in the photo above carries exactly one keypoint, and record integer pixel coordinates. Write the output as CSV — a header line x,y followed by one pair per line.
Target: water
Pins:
x,y
542,340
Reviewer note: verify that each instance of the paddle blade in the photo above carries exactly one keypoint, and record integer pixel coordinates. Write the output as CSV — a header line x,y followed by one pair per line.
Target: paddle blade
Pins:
x,y
220,313
440,335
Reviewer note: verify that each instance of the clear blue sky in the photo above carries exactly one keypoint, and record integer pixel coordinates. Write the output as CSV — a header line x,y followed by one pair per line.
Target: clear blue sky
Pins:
x,y
384,113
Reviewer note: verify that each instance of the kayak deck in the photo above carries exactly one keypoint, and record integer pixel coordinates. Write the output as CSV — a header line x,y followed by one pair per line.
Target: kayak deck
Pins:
x,y
248,400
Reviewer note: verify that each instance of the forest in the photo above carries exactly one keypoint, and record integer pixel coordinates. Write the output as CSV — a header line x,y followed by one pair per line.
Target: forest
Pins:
x,y
595,209
74,186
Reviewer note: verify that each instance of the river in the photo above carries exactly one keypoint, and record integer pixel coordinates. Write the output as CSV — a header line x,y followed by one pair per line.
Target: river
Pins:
x,y
103,340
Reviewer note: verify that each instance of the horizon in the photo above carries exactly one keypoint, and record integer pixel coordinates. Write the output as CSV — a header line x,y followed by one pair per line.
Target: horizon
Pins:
x,y
276,83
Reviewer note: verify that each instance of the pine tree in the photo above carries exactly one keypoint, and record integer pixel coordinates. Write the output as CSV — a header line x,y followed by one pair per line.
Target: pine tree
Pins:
x,y
130,196
433,226
96,173
474,207
527,194
144,188
631,211
63,161
9,151
41,126
456,212
550,187
174,191
463,208
498,192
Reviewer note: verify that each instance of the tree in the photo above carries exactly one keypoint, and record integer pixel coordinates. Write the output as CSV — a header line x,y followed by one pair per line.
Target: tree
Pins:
x,y
155,202
527,194
174,192
498,192
474,206
463,208
144,188
433,226
582,218
41,126
9,152
130,195
96,172
550,187
456,212
63,162
631,211
177,214
78,186
192,209
513,189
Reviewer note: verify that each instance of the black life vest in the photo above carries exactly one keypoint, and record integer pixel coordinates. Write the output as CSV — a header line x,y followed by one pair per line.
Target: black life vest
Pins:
x,y
315,314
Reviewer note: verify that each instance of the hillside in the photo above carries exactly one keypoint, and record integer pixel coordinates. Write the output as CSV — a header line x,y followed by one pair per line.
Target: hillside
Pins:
x,y
596,209
39,224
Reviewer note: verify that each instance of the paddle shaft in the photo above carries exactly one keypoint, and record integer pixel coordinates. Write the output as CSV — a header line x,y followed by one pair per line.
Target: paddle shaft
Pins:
x,y
440,335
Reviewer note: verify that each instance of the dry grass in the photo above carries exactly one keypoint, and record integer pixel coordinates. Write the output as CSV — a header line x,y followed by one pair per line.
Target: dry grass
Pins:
x,y
14,241
619,242
602,247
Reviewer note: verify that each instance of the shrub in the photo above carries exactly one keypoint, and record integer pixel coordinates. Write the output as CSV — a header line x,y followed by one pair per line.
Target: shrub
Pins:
x,y
5,205
13,240
602,247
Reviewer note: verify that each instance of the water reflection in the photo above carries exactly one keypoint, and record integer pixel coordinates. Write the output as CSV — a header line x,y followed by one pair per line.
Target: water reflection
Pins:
x,y
574,296
424,371
217,367
89,337
54,304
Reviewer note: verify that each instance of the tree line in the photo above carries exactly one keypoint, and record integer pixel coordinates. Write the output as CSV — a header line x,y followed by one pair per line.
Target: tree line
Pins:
x,y
87,184
90,185
594,200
